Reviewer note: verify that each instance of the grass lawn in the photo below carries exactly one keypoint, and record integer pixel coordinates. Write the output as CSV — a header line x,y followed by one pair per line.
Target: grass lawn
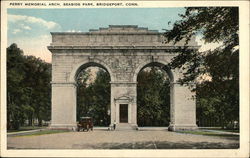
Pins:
x,y
224,130
26,128
228,130
43,132
208,133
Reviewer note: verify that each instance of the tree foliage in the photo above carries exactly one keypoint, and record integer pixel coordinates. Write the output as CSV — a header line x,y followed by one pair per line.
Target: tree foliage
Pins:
x,y
153,99
28,88
93,99
218,96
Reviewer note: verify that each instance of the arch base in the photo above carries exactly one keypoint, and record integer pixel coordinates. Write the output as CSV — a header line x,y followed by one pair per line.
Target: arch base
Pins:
x,y
123,126
183,127
72,127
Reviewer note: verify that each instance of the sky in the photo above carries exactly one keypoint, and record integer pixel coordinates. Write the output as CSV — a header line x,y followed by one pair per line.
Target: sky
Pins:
x,y
30,28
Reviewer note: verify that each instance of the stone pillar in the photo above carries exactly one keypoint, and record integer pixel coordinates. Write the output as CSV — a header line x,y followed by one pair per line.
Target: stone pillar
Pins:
x,y
63,106
183,108
112,107
134,113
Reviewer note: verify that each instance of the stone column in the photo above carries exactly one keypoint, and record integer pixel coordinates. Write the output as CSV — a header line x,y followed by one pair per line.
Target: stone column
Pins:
x,y
134,111
113,111
63,105
183,108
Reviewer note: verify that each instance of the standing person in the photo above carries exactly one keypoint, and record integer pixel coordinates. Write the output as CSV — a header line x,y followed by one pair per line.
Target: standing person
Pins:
x,y
114,125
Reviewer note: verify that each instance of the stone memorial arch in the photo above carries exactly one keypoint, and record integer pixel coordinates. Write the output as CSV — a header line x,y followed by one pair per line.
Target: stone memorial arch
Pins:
x,y
123,51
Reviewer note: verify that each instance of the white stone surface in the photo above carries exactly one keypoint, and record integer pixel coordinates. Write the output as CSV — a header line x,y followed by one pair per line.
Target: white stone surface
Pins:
x,y
63,105
123,51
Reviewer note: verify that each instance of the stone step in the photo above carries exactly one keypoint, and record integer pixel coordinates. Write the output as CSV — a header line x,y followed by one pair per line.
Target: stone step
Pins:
x,y
124,126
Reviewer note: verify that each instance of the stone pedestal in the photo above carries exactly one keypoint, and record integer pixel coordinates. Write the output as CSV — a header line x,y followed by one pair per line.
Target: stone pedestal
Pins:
x,y
63,106
183,108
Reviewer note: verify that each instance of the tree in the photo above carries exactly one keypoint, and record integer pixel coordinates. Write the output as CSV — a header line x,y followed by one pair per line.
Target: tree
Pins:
x,y
15,89
153,98
221,65
37,80
28,88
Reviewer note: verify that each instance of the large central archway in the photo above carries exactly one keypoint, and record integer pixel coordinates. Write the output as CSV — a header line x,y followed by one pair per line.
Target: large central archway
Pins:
x,y
123,51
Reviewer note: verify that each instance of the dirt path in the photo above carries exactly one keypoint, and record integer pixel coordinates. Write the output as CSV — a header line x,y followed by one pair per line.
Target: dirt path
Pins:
x,y
99,139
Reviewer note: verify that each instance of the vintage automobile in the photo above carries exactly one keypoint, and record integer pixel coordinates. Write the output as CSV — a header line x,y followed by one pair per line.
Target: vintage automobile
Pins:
x,y
85,123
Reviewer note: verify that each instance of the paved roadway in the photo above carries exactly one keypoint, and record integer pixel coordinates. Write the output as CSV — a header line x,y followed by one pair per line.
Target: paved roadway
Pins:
x,y
102,139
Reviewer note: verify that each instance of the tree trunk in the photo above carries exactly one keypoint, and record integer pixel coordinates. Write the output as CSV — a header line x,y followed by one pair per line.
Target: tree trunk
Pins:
x,y
40,122
30,121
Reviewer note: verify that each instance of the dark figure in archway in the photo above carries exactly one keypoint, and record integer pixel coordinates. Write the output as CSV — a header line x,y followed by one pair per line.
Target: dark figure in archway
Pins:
x,y
114,126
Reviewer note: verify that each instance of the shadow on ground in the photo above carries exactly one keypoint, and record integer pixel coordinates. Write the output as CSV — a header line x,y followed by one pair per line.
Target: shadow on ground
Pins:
x,y
154,145
159,145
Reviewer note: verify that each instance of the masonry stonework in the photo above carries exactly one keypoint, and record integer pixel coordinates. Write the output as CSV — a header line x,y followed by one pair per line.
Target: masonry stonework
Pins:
x,y
122,50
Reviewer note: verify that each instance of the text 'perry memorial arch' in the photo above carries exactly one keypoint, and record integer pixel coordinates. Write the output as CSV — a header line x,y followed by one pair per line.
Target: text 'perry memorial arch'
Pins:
x,y
122,50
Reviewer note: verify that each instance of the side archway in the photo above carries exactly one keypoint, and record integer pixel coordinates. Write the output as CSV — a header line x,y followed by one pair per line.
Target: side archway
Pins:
x,y
88,92
64,94
171,76
182,104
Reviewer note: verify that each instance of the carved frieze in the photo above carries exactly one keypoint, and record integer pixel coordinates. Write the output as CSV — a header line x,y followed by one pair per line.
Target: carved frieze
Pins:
x,y
124,98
